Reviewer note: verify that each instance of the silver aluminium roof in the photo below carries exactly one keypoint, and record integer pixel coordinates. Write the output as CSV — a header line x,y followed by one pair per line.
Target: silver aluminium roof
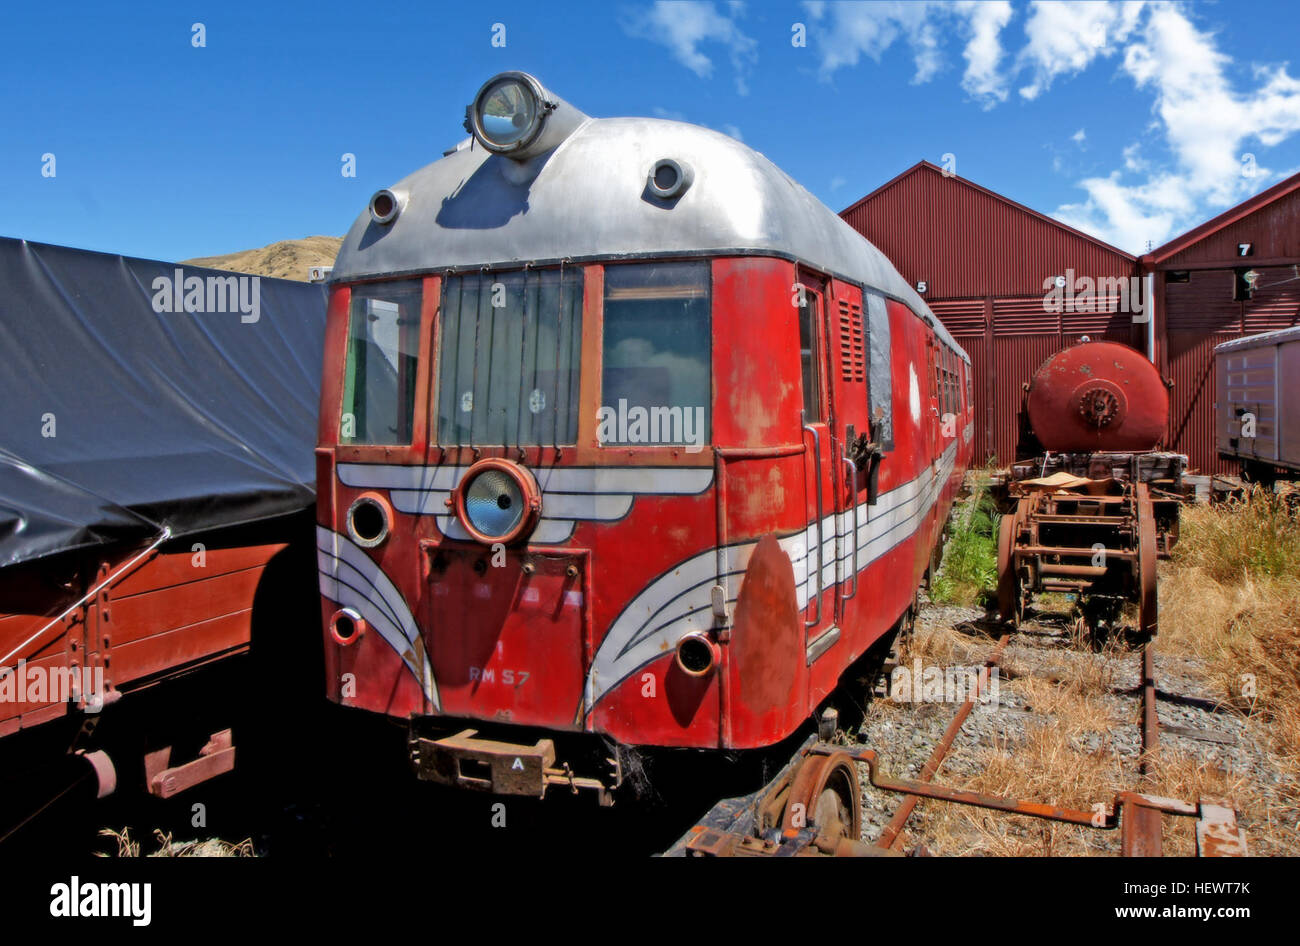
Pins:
x,y
588,198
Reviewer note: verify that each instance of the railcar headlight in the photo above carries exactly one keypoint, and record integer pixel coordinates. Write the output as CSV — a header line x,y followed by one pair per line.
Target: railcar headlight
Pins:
x,y
508,112
498,501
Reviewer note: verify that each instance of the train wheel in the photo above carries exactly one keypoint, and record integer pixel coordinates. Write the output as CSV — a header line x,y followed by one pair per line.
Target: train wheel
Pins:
x,y
825,796
1148,607
1008,582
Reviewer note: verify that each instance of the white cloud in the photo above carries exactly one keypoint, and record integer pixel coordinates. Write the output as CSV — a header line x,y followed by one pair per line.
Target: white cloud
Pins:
x,y
1202,111
1065,37
983,53
842,33
845,31
1208,125
684,26
837,182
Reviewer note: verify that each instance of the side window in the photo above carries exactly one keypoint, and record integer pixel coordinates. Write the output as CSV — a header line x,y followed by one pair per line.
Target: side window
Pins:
x,y
656,374
944,406
880,372
936,388
950,385
382,363
809,312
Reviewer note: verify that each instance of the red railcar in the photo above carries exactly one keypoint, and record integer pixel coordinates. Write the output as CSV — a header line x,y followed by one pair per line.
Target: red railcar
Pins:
x,y
157,483
623,434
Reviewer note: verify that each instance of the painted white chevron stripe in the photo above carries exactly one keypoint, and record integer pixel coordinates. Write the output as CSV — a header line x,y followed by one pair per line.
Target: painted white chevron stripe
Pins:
x,y
680,600
351,578
569,494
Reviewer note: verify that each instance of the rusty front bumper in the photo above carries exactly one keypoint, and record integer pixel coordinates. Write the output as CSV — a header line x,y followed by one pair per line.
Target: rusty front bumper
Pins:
x,y
465,760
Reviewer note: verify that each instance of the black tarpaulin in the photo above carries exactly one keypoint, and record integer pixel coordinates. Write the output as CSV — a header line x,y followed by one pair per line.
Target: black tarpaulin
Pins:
x,y
139,395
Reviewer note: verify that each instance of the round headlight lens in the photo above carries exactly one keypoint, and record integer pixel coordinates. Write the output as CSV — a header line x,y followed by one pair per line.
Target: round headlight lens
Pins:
x,y
494,503
507,112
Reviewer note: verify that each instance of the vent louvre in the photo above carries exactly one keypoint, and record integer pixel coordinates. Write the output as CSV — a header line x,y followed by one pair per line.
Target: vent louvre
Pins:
x,y
852,350
962,317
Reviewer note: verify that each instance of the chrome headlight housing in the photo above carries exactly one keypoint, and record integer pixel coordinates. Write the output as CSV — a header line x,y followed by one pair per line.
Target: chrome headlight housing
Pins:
x,y
508,113
498,501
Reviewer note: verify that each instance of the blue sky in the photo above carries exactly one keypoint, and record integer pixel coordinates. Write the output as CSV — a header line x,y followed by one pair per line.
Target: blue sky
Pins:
x,y
1128,120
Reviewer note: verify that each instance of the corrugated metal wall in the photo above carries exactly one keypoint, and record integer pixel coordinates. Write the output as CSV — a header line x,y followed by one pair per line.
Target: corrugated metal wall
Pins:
x,y
968,243
1273,231
985,261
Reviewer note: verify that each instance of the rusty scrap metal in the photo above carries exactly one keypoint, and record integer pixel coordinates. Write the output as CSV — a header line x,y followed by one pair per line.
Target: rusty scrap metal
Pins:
x,y
892,834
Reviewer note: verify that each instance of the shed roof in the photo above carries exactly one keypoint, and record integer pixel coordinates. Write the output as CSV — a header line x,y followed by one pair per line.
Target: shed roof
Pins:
x,y
1226,219
923,165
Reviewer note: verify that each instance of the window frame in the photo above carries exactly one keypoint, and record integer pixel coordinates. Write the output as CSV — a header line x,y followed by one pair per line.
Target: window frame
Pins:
x,y
416,450
816,285
593,371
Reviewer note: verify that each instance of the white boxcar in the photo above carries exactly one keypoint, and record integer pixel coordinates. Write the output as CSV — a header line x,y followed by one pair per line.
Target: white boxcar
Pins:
x,y
1257,401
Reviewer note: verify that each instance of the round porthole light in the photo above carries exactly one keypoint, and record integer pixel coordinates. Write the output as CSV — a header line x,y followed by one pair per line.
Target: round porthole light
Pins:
x,y
498,501
369,519
347,626
385,206
508,112
669,178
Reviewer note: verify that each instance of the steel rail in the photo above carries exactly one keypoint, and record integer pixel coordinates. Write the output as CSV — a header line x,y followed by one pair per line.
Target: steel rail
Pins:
x,y
891,836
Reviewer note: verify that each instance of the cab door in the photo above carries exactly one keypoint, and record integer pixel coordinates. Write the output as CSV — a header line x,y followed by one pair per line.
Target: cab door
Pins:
x,y
820,476
934,417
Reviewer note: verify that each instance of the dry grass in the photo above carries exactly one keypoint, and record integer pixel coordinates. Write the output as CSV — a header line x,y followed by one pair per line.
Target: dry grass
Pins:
x,y
1049,765
1075,705
941,645
1231,598
288,259
213,847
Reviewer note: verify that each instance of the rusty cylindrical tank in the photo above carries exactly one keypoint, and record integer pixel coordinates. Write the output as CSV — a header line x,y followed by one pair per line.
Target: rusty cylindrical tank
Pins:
x,y
1098,396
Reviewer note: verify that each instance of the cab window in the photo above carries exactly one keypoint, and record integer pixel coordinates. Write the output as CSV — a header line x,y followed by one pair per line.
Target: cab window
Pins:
x,y
382,358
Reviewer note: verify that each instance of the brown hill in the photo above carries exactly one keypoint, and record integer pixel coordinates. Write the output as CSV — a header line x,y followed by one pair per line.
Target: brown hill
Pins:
x,y
288,259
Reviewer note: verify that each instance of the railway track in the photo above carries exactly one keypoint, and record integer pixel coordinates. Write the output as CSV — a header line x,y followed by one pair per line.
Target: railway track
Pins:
x,y
795,814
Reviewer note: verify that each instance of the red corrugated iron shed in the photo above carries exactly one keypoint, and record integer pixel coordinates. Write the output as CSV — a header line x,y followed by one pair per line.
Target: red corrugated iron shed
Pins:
x,y
985,260
1200,301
